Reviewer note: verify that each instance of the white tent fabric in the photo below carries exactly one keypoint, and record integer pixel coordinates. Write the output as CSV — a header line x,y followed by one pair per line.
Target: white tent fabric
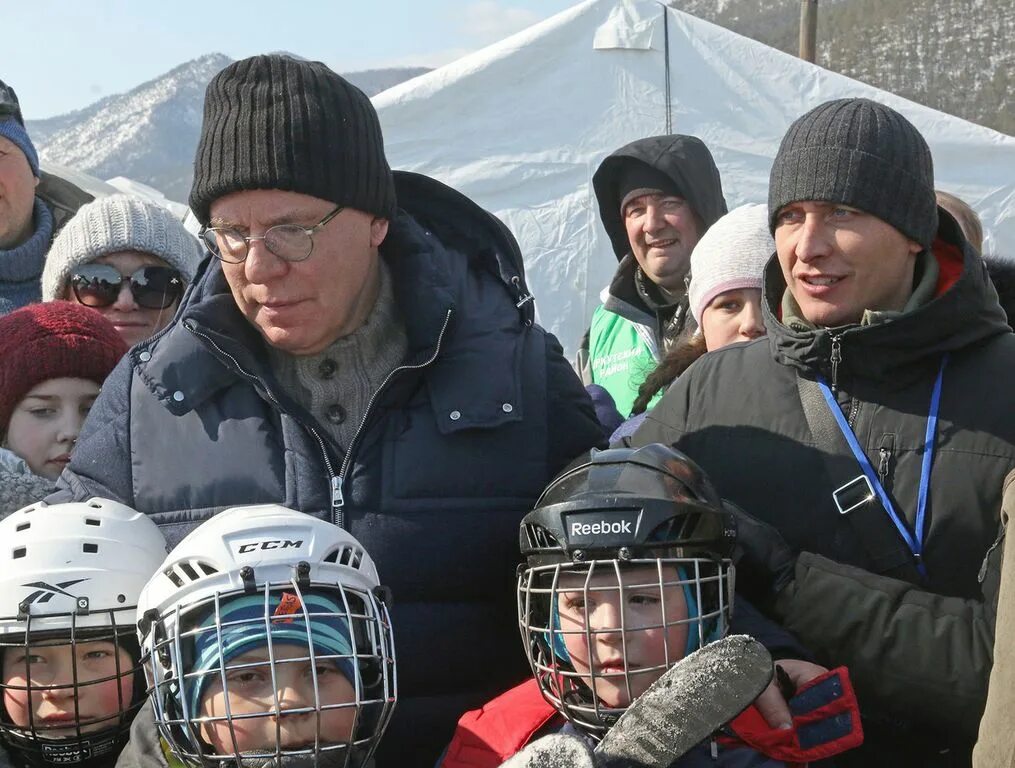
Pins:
x,y
522,125
90,184
121,185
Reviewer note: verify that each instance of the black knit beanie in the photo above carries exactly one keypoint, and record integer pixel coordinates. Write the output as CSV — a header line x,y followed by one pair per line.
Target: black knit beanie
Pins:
x,y
275,122
863,154
637,179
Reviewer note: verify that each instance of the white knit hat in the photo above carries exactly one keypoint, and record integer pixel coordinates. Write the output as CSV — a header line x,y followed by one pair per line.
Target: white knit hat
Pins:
x,y
119,223
732,254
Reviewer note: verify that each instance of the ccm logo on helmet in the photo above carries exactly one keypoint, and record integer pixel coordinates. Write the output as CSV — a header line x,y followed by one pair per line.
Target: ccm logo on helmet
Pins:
x,y
603,526
270,544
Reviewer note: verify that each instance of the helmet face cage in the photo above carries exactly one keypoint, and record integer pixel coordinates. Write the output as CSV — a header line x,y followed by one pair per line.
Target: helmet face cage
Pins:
x,y
90,692
318,630
598,633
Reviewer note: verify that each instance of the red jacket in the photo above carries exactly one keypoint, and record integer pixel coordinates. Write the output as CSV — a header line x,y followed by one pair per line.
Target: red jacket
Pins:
x,y
826,720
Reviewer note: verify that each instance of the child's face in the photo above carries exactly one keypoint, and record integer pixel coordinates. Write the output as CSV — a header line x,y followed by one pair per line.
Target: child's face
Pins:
x,y
47,421
251,691
51,711
647,610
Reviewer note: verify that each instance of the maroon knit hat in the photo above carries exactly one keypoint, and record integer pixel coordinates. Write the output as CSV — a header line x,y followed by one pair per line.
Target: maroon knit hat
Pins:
x,y
55,340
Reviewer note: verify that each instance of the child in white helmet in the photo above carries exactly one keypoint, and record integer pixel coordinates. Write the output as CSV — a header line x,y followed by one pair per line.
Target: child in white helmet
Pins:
x,y
269,644
70,677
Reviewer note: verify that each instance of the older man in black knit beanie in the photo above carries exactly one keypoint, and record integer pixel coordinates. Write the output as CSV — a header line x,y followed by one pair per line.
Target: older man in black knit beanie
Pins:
x,y
866,437
360,347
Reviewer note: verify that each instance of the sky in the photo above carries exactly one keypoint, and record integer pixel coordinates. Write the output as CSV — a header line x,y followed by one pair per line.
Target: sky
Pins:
x,y
61,55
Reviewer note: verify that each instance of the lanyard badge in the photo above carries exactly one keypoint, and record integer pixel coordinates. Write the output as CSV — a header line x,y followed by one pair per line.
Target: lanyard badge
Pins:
x,y
866,486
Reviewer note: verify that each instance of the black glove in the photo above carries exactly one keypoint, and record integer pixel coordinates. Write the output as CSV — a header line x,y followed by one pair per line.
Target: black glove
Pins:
x,y
765,562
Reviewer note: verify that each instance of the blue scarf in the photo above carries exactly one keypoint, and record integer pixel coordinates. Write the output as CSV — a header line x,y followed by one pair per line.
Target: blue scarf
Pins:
x,y
21,267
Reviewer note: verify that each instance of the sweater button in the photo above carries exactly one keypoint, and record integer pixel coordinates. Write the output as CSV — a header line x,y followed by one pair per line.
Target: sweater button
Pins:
x,y
455,415
327,368
507,407
178,396
145,356
335,414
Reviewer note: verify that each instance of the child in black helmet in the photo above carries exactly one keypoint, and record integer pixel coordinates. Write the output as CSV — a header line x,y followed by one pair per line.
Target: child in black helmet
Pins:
x,y
628,569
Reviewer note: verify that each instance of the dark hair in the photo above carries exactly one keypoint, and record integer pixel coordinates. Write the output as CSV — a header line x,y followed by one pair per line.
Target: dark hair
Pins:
x,y
688,348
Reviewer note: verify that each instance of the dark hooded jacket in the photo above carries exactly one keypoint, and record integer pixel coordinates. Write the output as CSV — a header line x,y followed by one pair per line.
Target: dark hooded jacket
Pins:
x,y
453,450
63,198
636,322
919,651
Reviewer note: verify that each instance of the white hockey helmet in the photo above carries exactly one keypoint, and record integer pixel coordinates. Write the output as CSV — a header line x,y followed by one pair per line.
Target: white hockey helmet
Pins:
x,y
254,578
71,574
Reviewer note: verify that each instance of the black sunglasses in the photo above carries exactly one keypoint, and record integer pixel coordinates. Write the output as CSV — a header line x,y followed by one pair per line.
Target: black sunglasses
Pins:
x,y
98,285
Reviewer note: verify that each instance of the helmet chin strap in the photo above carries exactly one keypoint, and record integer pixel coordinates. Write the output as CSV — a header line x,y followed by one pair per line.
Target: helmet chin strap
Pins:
x,y
330,758
93,750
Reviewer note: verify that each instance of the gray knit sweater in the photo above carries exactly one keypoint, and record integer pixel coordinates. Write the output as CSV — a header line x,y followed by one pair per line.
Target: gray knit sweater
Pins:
x,y
19,486
336,384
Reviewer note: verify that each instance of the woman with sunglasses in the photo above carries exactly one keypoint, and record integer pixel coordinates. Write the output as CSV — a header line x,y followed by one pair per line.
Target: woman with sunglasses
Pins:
x,y
128,258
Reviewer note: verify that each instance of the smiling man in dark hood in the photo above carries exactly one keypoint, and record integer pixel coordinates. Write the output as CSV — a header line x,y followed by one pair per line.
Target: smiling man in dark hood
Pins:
x,y
657,196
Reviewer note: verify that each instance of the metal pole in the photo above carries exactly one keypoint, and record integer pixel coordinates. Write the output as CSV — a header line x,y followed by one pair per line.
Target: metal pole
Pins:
x,y
808,29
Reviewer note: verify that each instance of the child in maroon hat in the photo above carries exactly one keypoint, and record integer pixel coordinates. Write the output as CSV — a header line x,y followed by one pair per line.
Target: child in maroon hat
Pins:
x,y
53,358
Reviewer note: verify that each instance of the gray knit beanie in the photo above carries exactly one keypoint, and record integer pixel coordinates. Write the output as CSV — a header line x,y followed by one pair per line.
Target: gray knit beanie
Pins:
x,y
119,223
731,255
862,154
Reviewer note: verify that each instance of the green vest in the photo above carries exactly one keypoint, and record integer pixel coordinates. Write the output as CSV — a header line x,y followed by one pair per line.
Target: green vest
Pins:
x,y
619,358
171,760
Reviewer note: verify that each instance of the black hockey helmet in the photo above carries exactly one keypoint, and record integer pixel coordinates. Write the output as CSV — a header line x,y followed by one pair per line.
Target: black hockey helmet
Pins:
x,y
625,503
629,527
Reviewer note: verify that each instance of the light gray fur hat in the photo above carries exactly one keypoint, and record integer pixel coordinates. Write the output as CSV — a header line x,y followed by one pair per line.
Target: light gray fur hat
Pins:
x,y
731,255
119,223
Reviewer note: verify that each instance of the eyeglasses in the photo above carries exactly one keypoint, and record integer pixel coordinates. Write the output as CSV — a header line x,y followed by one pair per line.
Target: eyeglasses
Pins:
x,y
98,285
290,242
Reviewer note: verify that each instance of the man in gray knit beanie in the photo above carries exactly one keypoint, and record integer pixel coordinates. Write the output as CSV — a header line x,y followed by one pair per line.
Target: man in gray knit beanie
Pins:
x,y
867,435
851,205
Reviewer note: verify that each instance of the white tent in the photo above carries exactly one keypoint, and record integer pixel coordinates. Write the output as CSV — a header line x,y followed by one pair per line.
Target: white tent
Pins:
x,y
522,125
121,185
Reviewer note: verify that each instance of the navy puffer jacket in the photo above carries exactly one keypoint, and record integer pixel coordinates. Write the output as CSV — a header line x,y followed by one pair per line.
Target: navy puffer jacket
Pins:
x,y
452,452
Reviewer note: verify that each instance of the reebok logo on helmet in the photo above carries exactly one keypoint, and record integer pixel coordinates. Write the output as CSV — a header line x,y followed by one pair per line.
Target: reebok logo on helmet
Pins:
x,y
44,592
603,526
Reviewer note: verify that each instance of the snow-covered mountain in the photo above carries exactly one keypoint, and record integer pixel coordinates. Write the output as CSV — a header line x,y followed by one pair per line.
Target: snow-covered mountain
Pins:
x,y
953,55
957,56
149,134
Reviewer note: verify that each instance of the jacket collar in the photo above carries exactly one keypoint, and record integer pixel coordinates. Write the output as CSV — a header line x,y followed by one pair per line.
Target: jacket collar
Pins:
x,y
433,258
964,311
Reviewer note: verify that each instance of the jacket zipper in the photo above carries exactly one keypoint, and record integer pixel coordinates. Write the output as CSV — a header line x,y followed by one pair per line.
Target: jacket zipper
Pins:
x,y
885,453
854,411
333,480
835,359
337,492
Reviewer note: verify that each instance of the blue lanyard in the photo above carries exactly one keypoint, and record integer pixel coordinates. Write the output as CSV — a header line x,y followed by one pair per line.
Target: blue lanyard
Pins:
x,y
914,542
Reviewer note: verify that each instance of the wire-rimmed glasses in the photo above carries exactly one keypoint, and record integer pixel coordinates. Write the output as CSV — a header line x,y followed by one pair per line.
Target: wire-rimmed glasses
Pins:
x,y
290,242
